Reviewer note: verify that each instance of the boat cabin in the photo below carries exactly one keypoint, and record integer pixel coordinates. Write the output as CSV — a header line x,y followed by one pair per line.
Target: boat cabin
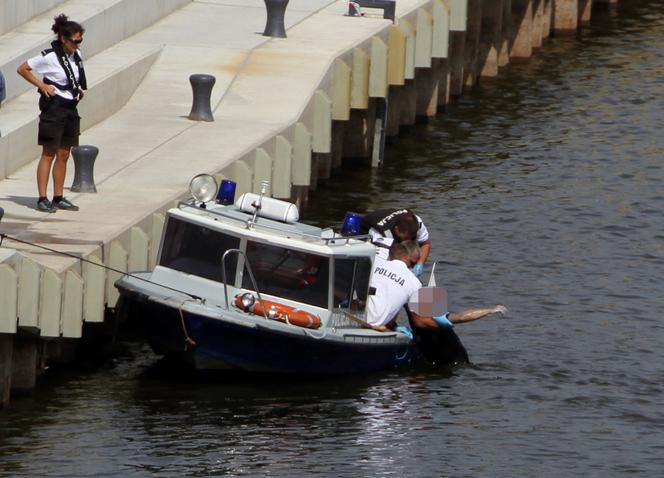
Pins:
x,y
283,259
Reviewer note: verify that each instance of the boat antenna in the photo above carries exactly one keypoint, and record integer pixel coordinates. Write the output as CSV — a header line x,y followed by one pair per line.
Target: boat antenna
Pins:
x,y
258,204
432,277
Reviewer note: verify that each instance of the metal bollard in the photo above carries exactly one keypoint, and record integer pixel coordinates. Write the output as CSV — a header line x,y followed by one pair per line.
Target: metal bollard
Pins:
x,y
84,163
201,84
274,27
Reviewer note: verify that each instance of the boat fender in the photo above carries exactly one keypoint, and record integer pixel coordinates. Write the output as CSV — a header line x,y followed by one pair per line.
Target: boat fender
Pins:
x,y
276,311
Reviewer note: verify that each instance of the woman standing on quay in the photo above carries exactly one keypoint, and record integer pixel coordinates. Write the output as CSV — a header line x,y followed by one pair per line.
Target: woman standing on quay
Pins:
x,y
59,124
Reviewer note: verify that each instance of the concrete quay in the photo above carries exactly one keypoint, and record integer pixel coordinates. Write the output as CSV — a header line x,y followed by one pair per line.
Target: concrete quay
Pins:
x,y
287,110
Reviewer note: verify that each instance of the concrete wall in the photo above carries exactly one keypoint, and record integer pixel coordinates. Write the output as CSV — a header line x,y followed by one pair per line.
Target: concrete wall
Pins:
x,y
18,12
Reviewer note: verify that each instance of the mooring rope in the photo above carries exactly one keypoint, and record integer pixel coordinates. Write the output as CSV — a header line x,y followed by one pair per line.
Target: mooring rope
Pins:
x,y
188,341
103,266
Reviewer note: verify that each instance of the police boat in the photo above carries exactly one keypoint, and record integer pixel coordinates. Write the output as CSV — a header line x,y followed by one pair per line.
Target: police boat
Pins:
x,y
243,285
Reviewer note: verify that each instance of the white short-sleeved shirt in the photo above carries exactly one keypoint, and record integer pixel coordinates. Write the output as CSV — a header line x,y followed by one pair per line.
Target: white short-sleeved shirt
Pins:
x,y
383,245
422,233
395,286
48,66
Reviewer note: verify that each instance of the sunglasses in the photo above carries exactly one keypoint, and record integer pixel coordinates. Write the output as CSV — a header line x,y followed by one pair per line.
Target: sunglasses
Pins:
x,y
76,42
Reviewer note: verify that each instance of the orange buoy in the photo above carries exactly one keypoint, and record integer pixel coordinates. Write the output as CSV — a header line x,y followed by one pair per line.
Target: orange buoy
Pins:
x,y
276,311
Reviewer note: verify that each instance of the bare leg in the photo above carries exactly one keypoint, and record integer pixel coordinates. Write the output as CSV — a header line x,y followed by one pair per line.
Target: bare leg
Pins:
x,y
44,169
60,171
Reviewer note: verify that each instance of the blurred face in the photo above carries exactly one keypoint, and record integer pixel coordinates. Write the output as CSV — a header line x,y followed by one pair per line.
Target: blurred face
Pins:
x,y
71,44
431,302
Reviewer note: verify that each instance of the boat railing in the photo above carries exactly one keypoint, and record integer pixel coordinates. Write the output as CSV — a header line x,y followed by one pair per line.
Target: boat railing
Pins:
x,y
343,318
248,267
333,239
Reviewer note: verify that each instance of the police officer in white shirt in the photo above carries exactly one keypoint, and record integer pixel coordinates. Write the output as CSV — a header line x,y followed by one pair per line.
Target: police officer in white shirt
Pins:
x,y
394,286
60,80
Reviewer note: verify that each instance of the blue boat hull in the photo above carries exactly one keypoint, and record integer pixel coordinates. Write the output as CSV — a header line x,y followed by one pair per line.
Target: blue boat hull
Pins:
x,y
219,344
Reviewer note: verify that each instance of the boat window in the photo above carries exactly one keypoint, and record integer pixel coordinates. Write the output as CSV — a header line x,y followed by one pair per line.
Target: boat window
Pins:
x,y
198,250
287,273
351,282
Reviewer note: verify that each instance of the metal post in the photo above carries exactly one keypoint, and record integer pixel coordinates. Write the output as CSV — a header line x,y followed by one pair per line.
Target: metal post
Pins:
x,y
274,27
201,85
378,153
84,163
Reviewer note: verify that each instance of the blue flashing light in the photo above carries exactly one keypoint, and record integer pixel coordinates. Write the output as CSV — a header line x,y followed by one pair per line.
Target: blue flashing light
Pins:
x,y
226,193
352,224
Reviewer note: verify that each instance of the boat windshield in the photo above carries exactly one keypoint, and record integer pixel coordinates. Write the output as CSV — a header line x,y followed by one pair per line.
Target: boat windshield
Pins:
x,y
197,250
288,273
351,282
279,271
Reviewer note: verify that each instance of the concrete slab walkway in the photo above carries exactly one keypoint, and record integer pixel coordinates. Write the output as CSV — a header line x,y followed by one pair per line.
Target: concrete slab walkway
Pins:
x,y
149,150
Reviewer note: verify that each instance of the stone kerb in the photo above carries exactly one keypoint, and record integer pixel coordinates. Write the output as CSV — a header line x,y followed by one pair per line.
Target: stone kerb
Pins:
x,y
298,36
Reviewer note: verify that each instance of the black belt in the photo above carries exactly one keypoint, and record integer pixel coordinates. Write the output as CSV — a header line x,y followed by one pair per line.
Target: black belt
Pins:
x,y
64,102
46,101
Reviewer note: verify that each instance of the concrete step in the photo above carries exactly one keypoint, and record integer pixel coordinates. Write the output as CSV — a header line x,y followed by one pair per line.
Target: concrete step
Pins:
x,y
18,12
106,23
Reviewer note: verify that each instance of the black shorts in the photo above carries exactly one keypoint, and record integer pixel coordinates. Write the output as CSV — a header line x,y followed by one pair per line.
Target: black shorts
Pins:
x,y
59,123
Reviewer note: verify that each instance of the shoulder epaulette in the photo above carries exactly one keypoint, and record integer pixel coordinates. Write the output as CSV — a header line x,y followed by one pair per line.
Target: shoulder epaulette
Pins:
x,y
46,52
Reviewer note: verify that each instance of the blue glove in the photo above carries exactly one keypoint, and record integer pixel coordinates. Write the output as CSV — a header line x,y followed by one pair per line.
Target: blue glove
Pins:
x,y
443,321
418,269
405,330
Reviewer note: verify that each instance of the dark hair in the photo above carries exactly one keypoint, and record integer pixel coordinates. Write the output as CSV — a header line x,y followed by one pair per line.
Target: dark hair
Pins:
x,y
407,224
65,27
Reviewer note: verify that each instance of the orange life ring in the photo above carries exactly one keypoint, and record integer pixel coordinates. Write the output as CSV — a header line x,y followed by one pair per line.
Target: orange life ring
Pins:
x,y
280,312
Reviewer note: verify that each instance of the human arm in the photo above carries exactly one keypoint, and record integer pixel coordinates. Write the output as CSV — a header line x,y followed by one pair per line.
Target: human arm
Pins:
x,y
425,248
469,315
422,322
26,72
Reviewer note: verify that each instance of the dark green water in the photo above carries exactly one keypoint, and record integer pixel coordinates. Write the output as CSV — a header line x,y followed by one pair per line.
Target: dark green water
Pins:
x,y
542,190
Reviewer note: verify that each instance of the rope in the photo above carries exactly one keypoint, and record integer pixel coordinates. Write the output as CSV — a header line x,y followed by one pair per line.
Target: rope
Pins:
x,y
103,266
188,341
313,335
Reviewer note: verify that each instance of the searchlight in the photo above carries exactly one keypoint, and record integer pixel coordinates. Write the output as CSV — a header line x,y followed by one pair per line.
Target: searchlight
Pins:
x,y
203,188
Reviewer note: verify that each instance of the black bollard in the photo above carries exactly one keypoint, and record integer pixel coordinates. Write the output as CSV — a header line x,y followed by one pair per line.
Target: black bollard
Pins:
x,y
274,27
201,84
84,163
